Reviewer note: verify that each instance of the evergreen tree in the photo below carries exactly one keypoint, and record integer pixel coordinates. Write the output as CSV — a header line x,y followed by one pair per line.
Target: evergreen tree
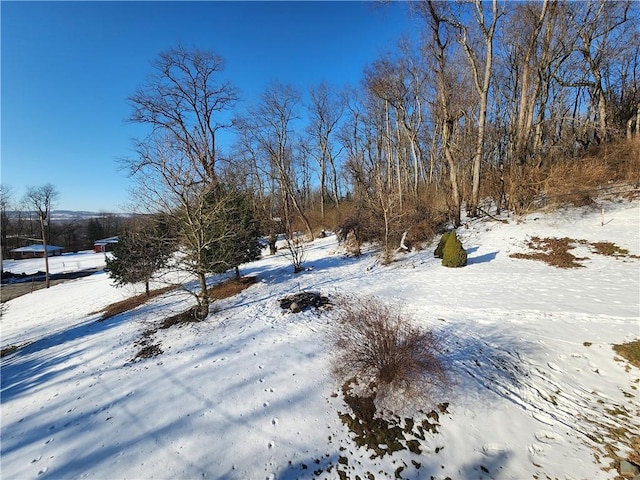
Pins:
x,y
438,253
235,228
453,254
137,257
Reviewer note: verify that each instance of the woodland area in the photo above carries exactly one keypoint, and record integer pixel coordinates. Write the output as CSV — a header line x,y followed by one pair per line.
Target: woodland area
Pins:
x,y
498,102
493,105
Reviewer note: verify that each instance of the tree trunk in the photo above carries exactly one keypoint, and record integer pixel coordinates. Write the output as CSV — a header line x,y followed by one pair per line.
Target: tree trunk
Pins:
x,y
45,253
203,298
453,172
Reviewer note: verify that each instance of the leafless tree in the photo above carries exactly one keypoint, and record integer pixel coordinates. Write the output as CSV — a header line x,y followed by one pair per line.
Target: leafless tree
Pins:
x,y
41,199
184,101
480,56
447,110
186,98
325,112
268,127
5,205
597,24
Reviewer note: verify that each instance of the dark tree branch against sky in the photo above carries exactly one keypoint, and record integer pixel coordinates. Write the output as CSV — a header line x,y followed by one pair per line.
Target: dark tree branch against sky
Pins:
x,y
69,67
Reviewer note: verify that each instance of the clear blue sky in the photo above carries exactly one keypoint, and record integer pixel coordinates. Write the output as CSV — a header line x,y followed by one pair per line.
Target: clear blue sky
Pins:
x,y
68,68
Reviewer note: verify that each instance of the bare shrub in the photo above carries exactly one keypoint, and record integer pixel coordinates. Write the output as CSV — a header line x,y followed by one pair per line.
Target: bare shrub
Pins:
x,y
559,180
363,225
417,224
295,252
387,356
574,182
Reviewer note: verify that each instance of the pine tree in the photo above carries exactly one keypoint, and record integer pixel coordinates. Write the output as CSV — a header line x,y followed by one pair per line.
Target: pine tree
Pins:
x,y
235,229
137,257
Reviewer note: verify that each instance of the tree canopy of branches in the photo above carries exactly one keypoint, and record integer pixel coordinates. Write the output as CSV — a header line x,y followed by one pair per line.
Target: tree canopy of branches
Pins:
x,y
40,199
478,103
176,165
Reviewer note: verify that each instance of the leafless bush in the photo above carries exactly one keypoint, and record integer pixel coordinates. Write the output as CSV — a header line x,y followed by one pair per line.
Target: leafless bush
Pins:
x,y
380,350
295,252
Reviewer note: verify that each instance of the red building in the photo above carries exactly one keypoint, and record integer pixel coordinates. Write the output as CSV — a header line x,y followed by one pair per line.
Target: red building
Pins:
x,y
104,245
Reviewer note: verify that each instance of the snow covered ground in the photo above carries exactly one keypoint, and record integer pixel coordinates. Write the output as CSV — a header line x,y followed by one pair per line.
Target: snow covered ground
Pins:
x,y
247,394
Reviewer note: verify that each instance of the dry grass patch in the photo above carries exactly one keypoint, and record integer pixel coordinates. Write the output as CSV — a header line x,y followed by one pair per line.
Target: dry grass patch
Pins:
x,y
556,251
553,251
231,287
132,302
222,290
8,350
630,351
611,250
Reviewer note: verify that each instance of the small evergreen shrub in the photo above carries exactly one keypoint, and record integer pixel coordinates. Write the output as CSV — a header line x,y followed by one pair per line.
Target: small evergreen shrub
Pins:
x,y
453,254
438,253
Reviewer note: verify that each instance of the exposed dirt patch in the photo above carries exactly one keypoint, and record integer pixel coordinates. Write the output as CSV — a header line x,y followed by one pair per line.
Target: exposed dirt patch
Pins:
x,y
148,348
231,287
556,251
132,302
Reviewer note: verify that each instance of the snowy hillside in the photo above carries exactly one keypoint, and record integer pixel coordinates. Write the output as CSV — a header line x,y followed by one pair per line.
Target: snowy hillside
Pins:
x,y
535,392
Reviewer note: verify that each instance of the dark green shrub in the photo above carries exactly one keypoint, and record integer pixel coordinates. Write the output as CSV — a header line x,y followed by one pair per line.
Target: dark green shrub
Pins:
x,y
439,251
453,254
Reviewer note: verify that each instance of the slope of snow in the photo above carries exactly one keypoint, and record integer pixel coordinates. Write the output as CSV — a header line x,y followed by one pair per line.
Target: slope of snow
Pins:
x,y
535,389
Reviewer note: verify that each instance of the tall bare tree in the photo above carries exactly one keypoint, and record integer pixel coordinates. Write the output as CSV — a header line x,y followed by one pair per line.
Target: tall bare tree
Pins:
x,y
525,33
184,102
41,199
5,205
447,110
325,112
480,56
596,23
269,127
185,97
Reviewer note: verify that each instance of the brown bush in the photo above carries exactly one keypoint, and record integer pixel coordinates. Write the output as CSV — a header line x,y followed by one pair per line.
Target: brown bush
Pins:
x,y
393,360
573,180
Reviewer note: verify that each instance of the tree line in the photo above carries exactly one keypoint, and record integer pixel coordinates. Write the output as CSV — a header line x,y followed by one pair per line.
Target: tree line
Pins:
x,y
20,224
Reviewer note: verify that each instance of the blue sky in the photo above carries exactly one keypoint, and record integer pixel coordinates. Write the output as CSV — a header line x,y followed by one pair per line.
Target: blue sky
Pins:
x,y
68,68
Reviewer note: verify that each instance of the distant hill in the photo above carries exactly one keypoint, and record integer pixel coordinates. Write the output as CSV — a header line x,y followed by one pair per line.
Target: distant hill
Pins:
x,y
70,214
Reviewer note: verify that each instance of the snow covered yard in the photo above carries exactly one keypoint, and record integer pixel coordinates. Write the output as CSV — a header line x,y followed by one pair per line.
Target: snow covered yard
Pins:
x,y
536,390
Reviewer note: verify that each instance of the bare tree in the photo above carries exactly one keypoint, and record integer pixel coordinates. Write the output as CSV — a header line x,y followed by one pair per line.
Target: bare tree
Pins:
x,y
326,110
185,97
480,61
41,199
184,102
5,205
269,127
596,22
447,111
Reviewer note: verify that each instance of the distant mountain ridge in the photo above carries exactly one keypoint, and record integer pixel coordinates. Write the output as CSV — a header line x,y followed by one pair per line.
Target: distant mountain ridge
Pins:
x,y
69,214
